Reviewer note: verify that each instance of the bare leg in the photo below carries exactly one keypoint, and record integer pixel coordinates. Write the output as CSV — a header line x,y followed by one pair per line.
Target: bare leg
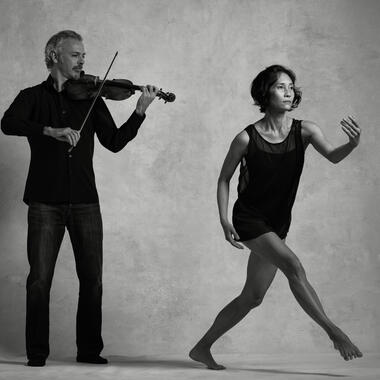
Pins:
x,y
260,274
271,247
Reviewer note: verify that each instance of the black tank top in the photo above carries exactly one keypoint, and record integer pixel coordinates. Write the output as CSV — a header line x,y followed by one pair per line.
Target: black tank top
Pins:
x,y
270,174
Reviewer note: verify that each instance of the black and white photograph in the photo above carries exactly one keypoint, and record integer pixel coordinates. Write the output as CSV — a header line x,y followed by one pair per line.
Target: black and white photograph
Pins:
x,y
189,189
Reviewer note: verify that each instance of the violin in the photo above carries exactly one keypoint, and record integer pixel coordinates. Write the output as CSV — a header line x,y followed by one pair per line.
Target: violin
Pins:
x,y
91,87
87,87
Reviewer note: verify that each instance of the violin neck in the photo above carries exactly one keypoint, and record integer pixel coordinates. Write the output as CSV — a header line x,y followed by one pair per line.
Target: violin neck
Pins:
x,y
129,86
123,85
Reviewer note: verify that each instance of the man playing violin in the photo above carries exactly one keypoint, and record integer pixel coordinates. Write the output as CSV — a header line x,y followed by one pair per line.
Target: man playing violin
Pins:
x,y
61,192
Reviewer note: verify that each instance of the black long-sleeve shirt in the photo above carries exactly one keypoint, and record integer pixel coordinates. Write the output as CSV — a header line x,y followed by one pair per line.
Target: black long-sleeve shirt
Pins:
x,y
55,175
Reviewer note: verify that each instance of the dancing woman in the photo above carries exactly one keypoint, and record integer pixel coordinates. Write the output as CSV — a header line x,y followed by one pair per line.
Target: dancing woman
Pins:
x,y
271,156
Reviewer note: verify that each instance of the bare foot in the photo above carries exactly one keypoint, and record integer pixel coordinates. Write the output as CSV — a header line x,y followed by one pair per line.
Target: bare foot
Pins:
x,y
343,344
203,355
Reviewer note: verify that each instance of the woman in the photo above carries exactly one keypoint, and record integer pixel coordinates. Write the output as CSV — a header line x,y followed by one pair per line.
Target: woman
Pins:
x,y
271,155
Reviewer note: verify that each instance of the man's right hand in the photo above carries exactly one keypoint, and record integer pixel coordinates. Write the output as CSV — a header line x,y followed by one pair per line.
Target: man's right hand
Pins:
x,y
68,135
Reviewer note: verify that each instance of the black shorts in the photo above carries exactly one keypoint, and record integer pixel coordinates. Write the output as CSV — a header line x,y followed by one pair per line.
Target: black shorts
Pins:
x,y
250,225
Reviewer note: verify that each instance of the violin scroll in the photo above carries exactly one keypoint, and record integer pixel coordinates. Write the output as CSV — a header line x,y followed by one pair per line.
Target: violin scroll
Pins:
x,y
168,97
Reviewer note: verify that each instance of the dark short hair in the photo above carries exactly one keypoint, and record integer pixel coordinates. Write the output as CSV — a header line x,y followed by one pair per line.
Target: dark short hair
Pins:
x,y
265,79
54,43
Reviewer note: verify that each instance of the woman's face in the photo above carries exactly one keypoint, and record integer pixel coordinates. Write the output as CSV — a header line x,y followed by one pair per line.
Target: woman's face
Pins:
x,y
281,94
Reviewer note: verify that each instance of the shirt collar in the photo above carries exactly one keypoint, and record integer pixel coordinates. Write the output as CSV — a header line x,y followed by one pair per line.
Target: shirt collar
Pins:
x,y
49,84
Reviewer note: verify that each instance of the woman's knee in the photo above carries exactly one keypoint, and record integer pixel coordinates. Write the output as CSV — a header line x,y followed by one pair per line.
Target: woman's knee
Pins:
x,y
250,301
294,270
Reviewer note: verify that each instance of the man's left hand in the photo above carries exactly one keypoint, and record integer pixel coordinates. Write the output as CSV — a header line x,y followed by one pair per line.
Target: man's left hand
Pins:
x,y
149,92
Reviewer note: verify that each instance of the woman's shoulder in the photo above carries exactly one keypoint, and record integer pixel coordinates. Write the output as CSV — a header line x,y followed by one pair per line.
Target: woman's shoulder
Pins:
x,y
250,129
308,127
242,138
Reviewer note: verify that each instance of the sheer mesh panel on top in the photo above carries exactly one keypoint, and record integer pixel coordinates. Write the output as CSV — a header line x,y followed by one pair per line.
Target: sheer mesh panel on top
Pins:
x,y
243,176
287,145
259,142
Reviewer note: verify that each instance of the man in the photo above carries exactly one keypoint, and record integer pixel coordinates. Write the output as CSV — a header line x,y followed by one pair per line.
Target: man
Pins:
x,y
61,193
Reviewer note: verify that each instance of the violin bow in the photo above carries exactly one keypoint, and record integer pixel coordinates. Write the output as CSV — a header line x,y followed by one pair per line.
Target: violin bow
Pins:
x,y
96,97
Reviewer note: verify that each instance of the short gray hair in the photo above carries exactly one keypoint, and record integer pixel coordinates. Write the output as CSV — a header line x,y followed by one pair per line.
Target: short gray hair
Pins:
x,y
55,41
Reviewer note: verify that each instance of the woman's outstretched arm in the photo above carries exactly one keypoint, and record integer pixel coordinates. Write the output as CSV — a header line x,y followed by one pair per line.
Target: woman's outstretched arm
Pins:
x,y
237,149
316,137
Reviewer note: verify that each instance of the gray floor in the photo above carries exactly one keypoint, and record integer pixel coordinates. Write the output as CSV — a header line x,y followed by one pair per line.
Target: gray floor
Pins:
x,y
253,367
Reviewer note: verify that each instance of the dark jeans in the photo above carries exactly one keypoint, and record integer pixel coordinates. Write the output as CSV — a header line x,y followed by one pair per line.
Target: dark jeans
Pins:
x,y
46,227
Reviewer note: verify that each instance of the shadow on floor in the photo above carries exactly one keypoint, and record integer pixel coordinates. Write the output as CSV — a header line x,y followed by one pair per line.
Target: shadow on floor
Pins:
x,y
144,361
282,372
12,362
138,361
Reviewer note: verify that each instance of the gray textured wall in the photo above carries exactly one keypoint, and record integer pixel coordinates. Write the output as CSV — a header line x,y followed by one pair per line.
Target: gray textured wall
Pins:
x,y
167,268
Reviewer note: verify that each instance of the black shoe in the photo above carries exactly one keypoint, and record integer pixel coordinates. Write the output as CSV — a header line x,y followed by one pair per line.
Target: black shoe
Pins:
x,y
92,359
36,362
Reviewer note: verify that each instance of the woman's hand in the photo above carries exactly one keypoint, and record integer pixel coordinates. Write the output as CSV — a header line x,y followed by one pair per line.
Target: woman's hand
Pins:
x,y
352,130
231,235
